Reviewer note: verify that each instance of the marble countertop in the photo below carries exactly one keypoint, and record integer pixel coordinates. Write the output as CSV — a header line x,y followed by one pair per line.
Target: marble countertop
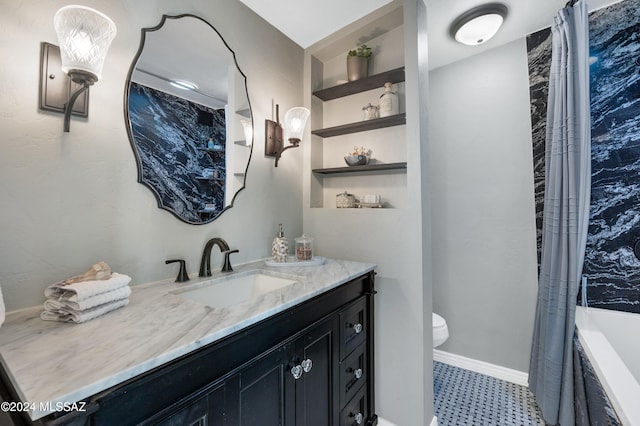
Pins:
x,y
52,362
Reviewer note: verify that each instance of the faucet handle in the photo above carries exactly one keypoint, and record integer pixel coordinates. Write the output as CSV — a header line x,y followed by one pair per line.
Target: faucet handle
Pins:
x,y
226,267
182,273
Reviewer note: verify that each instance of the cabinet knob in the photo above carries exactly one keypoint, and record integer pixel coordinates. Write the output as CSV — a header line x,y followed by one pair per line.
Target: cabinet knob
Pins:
x,y
357,373
357,328
358,418
307,365
296,371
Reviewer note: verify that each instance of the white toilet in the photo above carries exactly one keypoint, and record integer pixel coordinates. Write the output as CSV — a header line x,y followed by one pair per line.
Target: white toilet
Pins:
x,y
440,330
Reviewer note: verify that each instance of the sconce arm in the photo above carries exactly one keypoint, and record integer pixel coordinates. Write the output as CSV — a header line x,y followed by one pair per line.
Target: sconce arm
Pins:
x,y
68,107
294,144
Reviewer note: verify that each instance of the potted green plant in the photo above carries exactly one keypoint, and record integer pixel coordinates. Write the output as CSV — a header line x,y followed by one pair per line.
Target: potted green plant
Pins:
x,y
358,62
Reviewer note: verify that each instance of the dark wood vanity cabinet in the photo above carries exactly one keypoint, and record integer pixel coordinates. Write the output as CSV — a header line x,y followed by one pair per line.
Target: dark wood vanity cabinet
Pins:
x,y
291,385
311,365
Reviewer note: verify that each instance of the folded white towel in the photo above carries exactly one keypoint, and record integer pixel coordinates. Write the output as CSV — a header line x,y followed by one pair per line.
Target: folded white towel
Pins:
x,y
80,291
71,315
53,304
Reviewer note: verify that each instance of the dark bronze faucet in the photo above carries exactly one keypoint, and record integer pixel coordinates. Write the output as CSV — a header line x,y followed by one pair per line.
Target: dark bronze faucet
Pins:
x,y
205,263
183,276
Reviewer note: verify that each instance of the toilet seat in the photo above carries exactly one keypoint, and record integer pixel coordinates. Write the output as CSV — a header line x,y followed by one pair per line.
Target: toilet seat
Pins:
x,y
440,330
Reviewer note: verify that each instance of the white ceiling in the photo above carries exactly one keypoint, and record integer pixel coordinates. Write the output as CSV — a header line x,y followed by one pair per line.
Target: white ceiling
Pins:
x,y
308,21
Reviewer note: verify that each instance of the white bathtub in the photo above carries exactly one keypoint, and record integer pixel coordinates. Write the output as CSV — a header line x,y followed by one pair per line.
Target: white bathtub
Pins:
x,y
611,340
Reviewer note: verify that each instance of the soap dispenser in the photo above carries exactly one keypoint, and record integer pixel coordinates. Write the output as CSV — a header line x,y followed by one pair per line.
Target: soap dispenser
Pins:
x,y
280,247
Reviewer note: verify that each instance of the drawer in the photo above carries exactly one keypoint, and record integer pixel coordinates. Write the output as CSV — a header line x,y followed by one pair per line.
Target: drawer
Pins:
x,y
353,327
356,411
353,374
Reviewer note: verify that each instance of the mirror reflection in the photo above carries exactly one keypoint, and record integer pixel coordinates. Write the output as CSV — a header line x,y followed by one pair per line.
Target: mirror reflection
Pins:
x,y
189,118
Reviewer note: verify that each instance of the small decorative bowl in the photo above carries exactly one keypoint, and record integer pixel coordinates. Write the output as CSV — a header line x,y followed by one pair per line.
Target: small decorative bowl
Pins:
x,y
356,160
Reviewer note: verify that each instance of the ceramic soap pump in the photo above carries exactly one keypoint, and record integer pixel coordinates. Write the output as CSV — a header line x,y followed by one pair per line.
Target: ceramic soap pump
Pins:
x,y
280,247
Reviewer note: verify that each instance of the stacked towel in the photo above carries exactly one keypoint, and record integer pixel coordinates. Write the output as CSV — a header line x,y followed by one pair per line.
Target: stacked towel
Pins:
x,y
83,301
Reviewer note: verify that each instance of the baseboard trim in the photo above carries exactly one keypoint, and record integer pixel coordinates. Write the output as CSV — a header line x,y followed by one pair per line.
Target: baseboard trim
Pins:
x,y
383,422
482,367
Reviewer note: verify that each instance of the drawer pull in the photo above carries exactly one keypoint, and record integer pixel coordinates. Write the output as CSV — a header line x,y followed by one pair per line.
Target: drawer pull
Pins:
x,y
356,327
357,373
358,418
307,365
296,371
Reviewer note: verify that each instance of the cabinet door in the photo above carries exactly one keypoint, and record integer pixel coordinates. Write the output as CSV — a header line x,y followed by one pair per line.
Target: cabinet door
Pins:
x,y
195,414
316,397
204,408
292,385
265,391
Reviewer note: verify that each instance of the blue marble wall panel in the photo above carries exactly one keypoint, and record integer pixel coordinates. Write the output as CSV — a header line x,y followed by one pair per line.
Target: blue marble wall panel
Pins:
x,y
171,137
539,51
613,272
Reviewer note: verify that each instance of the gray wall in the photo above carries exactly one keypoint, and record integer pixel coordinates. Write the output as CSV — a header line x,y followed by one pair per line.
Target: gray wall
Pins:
x,y
484,248
69,200
397,239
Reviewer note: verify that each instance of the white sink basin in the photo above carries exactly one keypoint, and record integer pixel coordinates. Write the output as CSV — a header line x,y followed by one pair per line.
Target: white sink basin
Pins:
x,y
228,291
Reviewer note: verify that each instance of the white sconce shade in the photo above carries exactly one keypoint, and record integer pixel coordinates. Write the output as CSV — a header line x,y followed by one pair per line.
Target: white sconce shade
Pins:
x,y
248,131
84,35
295,121
479,24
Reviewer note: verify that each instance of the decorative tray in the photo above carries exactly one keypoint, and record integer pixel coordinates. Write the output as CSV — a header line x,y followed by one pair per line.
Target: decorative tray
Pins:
x,y
370,205
292,262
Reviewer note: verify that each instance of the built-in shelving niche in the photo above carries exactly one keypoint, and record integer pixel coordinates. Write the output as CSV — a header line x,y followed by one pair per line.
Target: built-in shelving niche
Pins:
x,y
359,176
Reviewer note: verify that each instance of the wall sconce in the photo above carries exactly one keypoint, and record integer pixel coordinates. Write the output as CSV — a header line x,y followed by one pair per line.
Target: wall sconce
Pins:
x,y
84,36
295,121
479,24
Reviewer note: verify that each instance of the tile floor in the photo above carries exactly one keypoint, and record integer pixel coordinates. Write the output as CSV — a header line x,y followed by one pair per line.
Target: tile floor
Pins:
x,y
463,397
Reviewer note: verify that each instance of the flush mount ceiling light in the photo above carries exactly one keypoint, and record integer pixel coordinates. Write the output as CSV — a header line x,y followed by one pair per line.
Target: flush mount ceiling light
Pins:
x,y
183,84
479,24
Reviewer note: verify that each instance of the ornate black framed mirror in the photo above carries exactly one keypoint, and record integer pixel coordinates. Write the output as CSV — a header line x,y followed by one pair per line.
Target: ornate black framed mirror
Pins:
x,y
188,118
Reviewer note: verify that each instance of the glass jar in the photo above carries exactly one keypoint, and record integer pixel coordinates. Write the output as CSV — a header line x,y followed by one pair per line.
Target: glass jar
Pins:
x,y
304,248
345,200
369,112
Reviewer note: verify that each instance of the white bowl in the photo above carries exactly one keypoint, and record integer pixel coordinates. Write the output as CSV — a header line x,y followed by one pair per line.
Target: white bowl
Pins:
x,y
356,160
